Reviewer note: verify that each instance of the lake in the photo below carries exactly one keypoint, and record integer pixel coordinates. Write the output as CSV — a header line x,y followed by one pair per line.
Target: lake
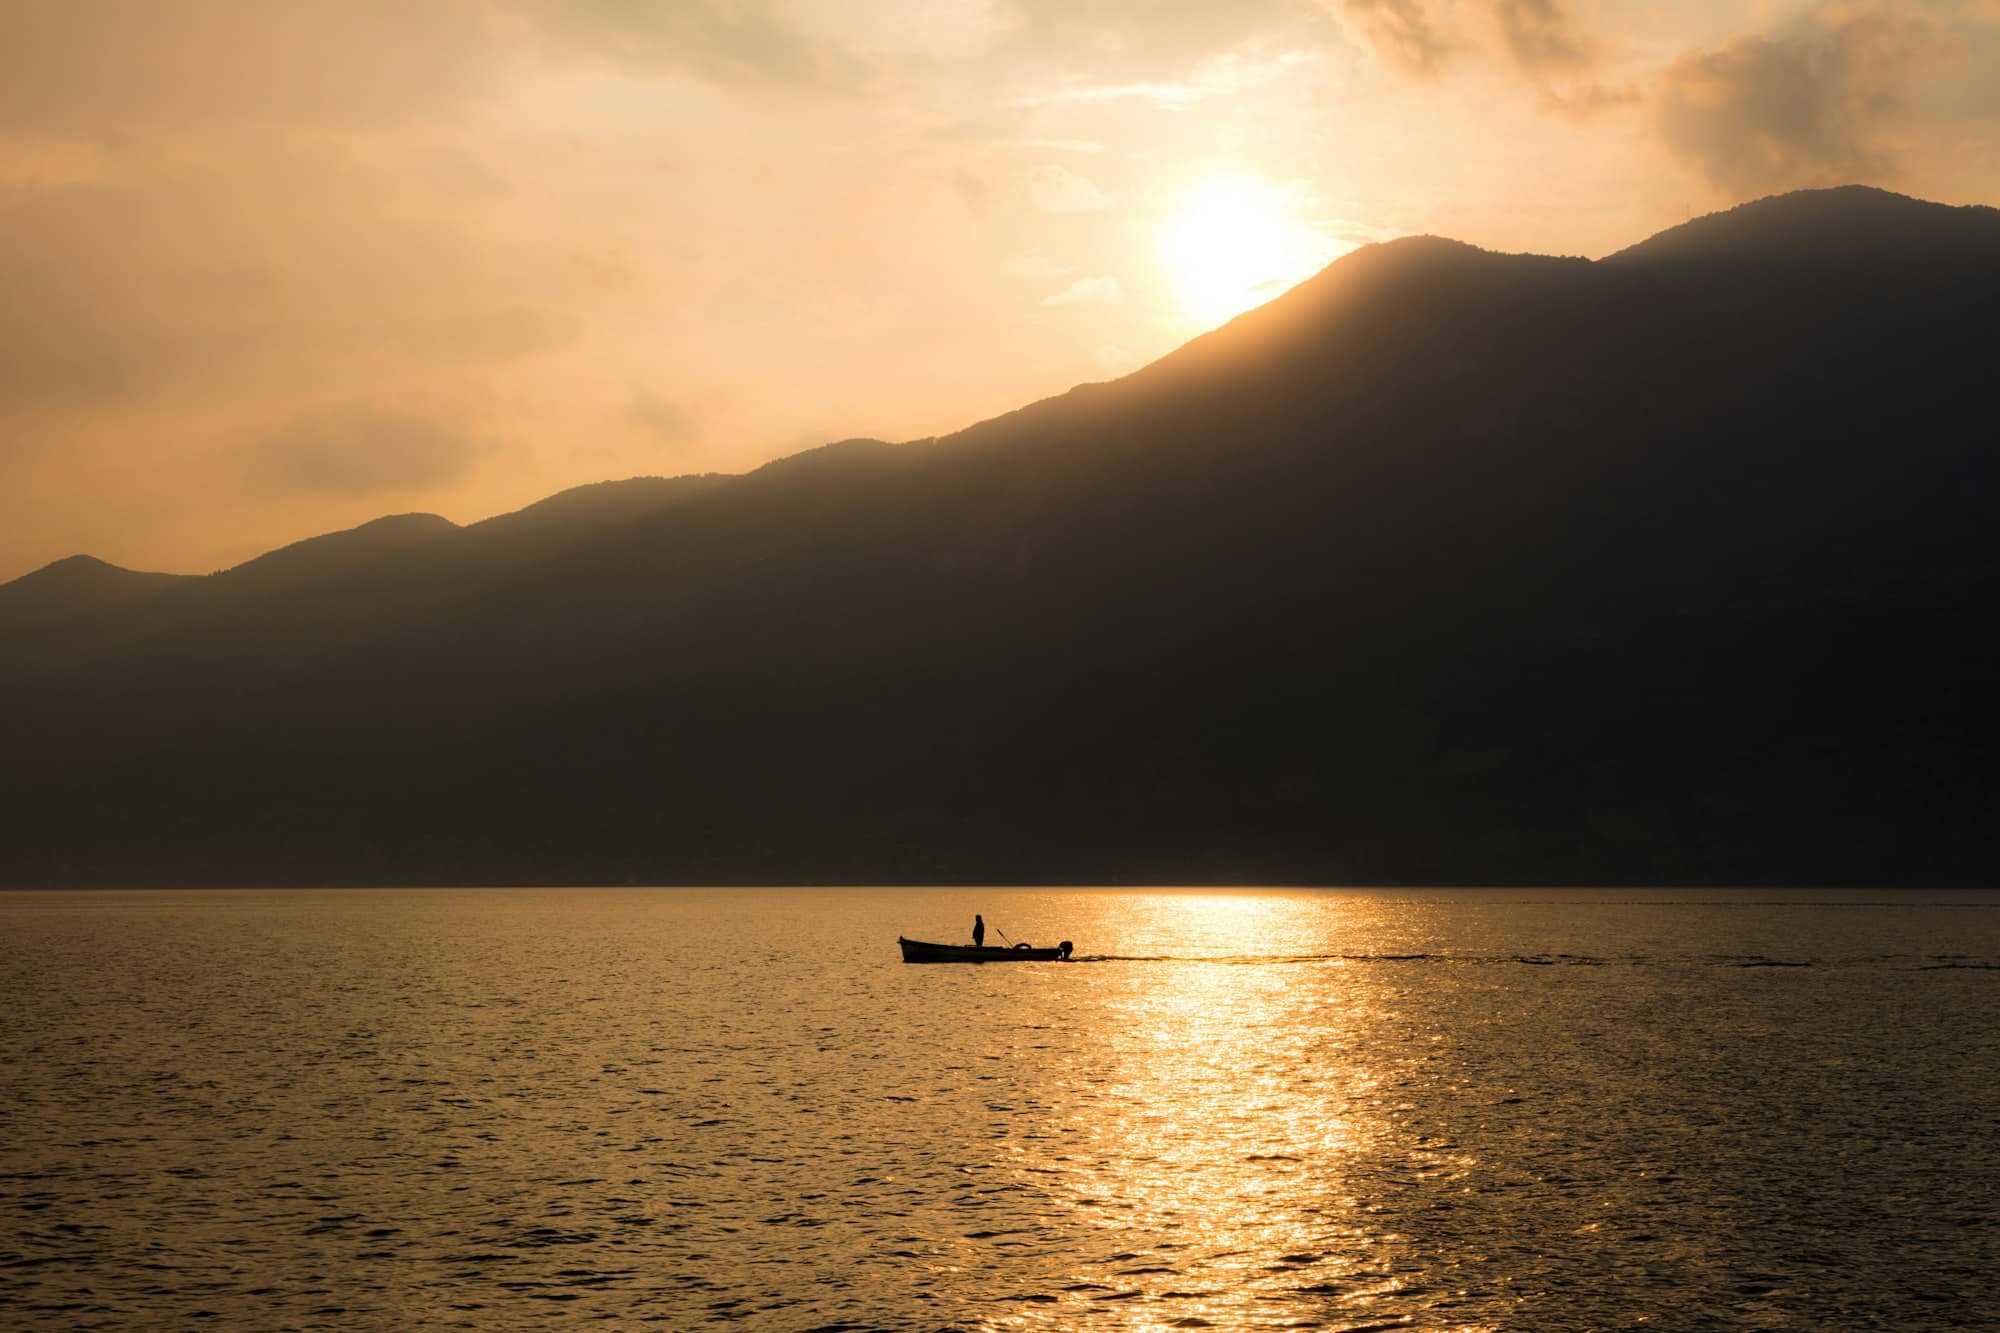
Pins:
x,y
1468,1109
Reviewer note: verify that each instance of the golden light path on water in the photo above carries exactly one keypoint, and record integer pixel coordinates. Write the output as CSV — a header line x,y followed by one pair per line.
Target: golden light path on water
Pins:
x,y
1223,1119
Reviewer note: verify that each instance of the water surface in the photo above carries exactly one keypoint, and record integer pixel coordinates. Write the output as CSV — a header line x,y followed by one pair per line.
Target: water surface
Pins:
x,y
1339,1110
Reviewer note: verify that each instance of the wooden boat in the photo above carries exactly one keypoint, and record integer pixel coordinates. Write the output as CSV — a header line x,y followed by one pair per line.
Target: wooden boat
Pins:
x,y
917,951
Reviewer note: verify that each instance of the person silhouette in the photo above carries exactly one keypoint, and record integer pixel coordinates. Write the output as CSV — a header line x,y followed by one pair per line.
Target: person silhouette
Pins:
x,y
978,931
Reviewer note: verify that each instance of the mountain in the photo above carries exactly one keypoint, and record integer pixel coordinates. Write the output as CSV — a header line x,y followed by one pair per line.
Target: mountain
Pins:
x,y
319,596
1447,566
1813,228
79,586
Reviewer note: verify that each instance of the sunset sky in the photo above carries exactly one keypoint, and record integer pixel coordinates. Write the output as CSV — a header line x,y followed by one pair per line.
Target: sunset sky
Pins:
x,y
274,267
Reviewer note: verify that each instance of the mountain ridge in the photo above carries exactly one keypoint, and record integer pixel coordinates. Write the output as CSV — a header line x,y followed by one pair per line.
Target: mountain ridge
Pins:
x,y
77,585
1809,213
1447,566
1817,227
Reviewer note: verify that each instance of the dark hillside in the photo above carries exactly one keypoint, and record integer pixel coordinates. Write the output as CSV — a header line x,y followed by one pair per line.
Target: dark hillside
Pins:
x,y
1447,566
1875,230
76,587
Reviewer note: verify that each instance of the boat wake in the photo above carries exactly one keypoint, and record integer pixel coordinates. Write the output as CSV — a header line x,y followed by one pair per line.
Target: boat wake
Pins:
x,y
1908,962
1274,959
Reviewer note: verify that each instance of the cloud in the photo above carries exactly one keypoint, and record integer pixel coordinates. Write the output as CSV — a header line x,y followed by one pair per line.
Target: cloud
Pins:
x,y
1403,34
278,273
1224,75
942,32
512,333
359,449
138,66
1155,41
1102,290
662,421
1035,267
143,67
30,162
1172,94
68,372
1059,190
1540,36
1546,45
1586,99
725,41
974,193
1815,105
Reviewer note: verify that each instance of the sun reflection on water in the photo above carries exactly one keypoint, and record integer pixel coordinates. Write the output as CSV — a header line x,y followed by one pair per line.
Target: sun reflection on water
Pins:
x,y
1232,1104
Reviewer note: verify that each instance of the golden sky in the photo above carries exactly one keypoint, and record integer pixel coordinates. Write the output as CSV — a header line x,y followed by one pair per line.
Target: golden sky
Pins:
x,y
274,267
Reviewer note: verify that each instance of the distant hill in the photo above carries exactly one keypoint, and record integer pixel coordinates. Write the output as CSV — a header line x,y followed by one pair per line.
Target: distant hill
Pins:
x,y
80,585
1852,224
1445,567
318,596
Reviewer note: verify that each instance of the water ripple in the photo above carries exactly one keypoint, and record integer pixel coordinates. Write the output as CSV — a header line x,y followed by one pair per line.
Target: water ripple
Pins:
x,y
1266,1110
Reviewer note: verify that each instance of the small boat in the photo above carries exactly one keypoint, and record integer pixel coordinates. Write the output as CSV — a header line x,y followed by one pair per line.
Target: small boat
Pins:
x,y
917,951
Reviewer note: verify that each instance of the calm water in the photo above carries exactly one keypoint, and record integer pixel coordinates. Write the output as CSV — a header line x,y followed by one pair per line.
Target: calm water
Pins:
x,y
1481,1110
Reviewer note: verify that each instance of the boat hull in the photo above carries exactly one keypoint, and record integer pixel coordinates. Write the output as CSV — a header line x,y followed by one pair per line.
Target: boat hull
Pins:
x,y
919,951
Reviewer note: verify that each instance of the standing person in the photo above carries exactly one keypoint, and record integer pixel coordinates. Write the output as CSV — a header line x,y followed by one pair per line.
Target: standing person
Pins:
x,y
978,931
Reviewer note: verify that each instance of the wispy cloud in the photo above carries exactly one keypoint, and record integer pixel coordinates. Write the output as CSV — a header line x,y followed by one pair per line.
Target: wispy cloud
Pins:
x,y
1221,76
1813,105
1059,190
1541,39
1540,35
1066,145
662,421
727,41
1102,290
1403,34
139,68
1165,94
359,449
1038,267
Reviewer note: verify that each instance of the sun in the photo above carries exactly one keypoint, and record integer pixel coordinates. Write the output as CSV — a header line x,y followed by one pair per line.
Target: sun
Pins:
x,y
1234,242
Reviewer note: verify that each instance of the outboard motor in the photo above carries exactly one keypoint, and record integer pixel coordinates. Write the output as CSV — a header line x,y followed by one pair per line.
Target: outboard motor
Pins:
x,y
1063,950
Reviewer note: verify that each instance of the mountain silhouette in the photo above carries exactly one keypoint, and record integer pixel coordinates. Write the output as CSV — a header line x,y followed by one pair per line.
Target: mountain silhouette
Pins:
x,y
74,588
1852,224
1447,566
